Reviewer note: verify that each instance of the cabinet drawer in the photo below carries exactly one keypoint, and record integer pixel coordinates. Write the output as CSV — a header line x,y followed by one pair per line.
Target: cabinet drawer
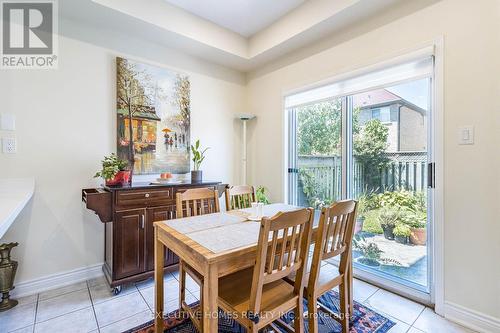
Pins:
x,y
144,197
99,201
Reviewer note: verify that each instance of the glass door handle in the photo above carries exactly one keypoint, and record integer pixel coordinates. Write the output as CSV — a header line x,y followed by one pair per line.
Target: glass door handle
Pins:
x,y
431,177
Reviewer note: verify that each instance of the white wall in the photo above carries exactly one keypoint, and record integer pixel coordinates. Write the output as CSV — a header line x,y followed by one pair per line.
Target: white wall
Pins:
x,y
65,125
471,89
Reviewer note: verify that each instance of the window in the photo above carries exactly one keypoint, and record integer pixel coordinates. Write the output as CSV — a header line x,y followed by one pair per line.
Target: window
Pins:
x,y
343,145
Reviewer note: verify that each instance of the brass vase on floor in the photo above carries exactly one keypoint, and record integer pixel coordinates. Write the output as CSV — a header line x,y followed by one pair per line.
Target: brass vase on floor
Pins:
x,y
7,273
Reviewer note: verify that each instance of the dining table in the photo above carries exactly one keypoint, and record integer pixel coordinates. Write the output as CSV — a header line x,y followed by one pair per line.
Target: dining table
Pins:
x,y
215,245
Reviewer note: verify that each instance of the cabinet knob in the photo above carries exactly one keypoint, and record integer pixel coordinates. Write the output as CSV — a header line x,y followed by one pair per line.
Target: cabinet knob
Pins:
x,y
146,195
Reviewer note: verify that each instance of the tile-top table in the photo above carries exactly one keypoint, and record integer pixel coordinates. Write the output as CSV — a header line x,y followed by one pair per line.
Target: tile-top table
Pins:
x,y
215,245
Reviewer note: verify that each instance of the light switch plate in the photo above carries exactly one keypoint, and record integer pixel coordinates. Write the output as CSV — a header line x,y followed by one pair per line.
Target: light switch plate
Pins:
x,y
7,122
466,135
9,145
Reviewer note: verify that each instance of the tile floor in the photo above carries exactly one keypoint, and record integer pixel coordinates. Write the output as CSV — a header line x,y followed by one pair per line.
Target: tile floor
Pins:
x,y
90,307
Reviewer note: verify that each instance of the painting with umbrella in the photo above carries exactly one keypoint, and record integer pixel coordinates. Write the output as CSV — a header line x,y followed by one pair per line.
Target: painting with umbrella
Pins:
x,y
153,118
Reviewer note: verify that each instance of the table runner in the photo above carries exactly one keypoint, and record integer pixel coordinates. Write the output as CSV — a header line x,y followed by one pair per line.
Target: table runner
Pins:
x,y
190,224
272,209
219,232
227,237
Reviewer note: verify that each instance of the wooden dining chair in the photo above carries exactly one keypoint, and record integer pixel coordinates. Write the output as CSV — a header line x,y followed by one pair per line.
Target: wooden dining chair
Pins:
x,y
333,238
193,202
197,201
257,296
239,197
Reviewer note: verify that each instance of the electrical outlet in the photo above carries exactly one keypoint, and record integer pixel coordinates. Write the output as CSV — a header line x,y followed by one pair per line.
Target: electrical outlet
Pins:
x,y
9,145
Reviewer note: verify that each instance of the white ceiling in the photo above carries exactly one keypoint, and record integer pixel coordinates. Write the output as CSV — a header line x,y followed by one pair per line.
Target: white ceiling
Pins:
x,y
300,31
245,17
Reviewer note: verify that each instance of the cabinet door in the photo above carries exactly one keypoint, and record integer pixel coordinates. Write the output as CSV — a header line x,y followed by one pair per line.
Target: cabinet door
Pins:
x,y
128,242
158,214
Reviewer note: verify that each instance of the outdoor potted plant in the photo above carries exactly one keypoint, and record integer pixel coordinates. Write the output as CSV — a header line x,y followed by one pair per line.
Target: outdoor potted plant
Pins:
x,y
371,252
418,232
401,233
114,171
198,157
360,217
388,219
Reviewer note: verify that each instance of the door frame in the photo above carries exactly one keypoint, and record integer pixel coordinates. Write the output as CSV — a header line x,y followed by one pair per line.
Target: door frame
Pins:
x,y
437,156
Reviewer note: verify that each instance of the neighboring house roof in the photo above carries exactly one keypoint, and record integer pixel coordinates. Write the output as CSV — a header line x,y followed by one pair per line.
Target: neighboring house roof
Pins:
x,y
374,98
381,97
142,113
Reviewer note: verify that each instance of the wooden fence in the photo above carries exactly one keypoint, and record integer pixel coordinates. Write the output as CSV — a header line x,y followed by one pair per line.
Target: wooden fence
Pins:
x,y
323,175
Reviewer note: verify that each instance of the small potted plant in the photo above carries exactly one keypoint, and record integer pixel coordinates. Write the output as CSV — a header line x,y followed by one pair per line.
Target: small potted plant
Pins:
x,y
388,218
114,171
402,233
198,157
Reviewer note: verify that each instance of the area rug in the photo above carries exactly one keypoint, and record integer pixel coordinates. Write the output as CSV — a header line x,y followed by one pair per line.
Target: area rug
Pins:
x,y
364,320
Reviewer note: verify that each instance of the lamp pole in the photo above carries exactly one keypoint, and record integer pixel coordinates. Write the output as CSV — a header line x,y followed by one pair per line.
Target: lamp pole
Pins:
x,y
244,119
244,157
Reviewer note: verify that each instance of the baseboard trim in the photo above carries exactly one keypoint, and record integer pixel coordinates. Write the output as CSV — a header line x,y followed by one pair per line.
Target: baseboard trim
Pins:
x,y
57,280
472,319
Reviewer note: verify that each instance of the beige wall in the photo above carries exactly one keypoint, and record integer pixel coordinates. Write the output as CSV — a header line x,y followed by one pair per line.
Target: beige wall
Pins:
x,y
471,84
65,125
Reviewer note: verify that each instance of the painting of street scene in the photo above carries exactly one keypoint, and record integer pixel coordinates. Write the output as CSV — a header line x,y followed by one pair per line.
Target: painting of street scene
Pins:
x,y
153,118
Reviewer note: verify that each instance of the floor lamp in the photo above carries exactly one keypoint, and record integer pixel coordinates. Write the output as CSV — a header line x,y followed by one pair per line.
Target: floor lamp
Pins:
x,y
244,119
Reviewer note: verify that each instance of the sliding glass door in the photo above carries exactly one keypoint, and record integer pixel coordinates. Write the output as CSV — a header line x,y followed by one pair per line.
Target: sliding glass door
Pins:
x,y
371,145
389,180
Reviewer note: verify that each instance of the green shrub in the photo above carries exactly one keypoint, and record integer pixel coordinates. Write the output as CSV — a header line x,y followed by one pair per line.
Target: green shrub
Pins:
x,y
312,190
372,201
402,230
403,199
372,222
390,208
414,219
367,201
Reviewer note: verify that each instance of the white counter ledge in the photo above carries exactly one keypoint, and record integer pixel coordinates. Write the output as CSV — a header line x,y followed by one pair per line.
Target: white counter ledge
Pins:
x,y
14,195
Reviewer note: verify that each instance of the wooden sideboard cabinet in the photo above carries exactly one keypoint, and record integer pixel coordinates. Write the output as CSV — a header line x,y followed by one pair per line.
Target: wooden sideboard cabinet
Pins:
x,y
128,213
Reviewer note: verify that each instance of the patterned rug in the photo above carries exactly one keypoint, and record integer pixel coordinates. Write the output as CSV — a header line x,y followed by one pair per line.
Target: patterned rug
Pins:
x,y
364,320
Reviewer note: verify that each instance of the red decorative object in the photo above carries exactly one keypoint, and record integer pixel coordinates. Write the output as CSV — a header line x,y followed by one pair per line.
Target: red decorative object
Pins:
x,y
121,178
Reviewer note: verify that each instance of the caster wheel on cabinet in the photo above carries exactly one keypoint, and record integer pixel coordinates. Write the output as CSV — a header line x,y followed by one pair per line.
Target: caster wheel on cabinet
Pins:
x,y
116,290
